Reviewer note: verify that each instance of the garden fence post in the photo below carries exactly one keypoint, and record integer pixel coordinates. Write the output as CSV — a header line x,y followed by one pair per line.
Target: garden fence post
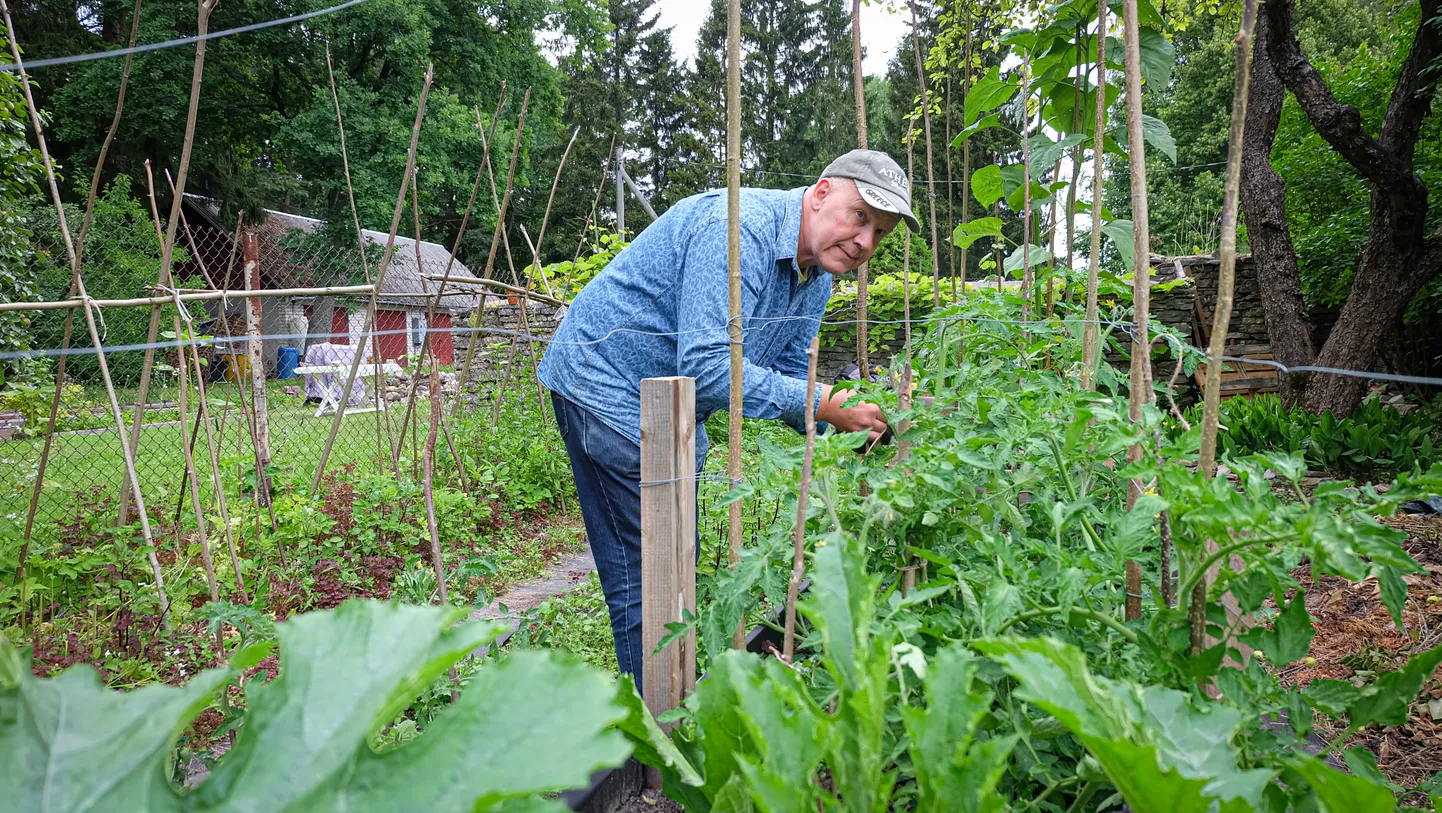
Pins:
x,y
250,249
668,537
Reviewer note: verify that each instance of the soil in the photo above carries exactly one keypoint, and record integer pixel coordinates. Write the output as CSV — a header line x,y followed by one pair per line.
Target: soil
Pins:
x,y
649,801
1356,636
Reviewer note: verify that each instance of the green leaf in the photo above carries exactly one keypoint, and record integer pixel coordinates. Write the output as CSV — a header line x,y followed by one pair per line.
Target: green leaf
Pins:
x,y
989,93
984,124
789,731
652,746
1290,636
345,672
954,770
1123,238
968,233
1386,701
1332,697
1037,255
1048,151
1154,132
986,185
1162,754
1339,793
1158,57
70,744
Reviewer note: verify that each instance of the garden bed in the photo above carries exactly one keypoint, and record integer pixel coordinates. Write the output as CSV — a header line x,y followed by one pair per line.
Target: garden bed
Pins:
x,y
1356,639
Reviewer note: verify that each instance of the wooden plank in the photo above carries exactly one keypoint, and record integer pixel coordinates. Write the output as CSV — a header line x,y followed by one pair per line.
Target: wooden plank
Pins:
x,y
668,537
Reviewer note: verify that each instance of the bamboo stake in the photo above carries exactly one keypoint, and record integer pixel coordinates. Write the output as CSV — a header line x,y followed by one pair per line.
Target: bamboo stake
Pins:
x,y
1026,278
167,244
1090,332
950,198
1141,269
1226,279
965,186
186,443
380,278
496,236
381,414
600,187
735,409
204,411
90,325
798,558
930,164
22,575
1075,161
863,274
185,296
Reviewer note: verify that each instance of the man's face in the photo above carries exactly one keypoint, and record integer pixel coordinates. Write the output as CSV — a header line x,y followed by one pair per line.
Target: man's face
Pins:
x,y
841,229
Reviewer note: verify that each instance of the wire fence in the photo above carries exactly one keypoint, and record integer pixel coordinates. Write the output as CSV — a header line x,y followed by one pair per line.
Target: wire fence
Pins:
x,y
307,343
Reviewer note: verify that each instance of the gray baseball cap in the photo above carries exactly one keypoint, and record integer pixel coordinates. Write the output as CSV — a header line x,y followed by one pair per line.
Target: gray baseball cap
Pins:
x,y
880,181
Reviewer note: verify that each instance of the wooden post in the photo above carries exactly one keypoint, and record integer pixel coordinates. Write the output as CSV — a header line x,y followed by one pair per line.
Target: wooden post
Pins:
x,y
250,249
668,537
733,280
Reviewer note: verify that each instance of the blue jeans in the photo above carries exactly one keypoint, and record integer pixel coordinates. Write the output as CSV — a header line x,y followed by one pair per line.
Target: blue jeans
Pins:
x,y
607,468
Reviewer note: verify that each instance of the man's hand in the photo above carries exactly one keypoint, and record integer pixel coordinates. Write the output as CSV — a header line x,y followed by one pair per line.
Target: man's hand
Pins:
x,y
864,417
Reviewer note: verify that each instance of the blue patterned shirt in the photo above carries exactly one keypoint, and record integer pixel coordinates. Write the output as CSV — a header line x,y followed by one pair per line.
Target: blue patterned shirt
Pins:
x,y
660,309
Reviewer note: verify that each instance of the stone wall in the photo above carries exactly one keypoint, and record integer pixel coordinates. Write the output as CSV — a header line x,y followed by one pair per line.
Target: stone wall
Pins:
x,y
493,348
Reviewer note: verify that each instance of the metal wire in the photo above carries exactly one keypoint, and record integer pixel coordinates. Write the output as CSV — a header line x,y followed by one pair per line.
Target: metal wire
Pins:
x,y
32,64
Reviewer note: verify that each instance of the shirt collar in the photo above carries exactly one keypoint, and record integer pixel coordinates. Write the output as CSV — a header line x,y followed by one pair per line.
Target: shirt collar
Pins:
x,y
791,233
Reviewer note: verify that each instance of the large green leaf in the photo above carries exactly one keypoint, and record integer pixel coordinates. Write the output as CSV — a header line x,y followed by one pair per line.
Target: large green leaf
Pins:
x,y
652,746
1154,132
1339,793
986,185
1123,238
954,770
529,724
967,132
968,233
1162,754
1045,152
1158,57
789,731
69,744
989,93
1020,255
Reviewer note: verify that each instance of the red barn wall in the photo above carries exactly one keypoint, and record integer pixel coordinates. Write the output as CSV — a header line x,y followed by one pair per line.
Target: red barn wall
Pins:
x,y
340,325
393,345
444,348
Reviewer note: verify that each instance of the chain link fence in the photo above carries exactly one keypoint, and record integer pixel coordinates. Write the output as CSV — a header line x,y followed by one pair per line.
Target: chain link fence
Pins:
x,y
307,341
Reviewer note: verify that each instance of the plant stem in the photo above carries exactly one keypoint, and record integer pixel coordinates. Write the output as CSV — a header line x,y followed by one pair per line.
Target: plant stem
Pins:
x,y
1100,618
798,560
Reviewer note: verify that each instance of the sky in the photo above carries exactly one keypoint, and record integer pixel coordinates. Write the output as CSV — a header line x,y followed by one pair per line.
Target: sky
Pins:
x,y
881,30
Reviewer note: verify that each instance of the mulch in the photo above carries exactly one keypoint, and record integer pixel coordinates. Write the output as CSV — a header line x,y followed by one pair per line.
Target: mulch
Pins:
x,y
1356,639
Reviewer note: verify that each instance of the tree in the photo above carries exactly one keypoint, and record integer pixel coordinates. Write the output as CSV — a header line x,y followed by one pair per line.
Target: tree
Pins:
x,y
1399,256
20,170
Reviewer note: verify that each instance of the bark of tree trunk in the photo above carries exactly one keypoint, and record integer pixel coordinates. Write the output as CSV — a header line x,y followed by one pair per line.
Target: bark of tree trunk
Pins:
x,y
1265,208
1398,257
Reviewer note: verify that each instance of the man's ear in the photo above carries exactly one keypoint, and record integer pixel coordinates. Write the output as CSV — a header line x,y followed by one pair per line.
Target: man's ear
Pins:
x,y
819,191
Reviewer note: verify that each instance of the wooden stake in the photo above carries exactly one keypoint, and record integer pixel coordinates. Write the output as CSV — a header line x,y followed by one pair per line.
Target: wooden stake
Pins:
x,y
1141,269
798,556
21,575
863,274
1026,278
259,398
733,275
1090,332
381,413
930,164
1226,278
496,237
380,278
668,537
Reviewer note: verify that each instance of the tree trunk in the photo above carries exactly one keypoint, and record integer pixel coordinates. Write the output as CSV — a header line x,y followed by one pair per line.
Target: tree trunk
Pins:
x,y
1397,259
1394,267
1264,206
